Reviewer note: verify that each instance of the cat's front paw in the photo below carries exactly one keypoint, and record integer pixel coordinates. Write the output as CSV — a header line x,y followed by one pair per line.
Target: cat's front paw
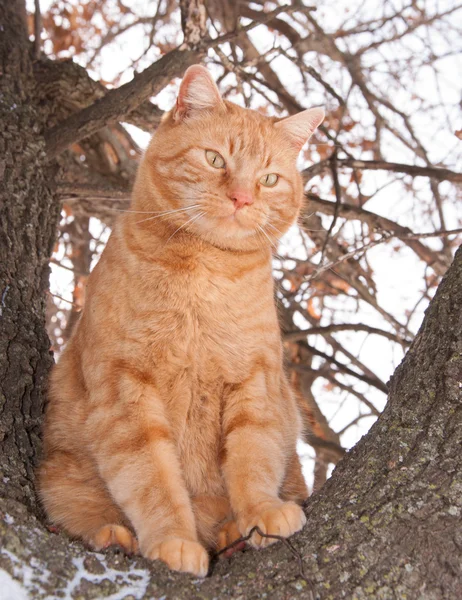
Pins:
x,y
282,519
181,555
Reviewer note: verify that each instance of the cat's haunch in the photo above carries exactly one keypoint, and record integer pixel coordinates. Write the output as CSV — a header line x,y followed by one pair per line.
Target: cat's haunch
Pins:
x,y
171,427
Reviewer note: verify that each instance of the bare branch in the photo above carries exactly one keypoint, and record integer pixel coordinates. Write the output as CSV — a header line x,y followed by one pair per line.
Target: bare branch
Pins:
x,y
385,238
375,222
321,465
120,102
338,201
440,174
293,336
329,374
193,21
374,381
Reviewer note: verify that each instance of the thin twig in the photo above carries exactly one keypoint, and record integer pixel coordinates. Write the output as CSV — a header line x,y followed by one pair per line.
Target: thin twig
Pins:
x,y
63,299
280,538
338,201
386,236
293,336
438,173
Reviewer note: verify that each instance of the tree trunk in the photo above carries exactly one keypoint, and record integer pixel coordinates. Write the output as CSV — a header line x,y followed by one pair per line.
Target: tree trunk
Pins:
x,y
386,525
28,218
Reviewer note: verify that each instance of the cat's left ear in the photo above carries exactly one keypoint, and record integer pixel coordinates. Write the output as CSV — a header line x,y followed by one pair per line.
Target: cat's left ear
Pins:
x,y
197,92
300,127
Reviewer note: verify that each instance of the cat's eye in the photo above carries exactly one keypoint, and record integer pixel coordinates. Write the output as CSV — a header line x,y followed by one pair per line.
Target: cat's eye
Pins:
x,y
215,159
269,180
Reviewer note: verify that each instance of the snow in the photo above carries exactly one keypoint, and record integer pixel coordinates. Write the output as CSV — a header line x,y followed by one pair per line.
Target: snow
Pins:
x,y
30,575
136,587
28,579
10,589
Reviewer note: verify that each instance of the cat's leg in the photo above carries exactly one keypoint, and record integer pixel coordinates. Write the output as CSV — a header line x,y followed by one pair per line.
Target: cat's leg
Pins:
x,y
210,512
294,486
138,461
76,499
258,444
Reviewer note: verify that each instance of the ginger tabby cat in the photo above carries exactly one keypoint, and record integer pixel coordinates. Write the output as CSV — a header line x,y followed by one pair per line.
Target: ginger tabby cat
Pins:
x,y
171,426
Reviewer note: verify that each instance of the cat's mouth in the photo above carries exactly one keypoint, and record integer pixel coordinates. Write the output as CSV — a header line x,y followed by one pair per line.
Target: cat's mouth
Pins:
x,y
235,224
239,220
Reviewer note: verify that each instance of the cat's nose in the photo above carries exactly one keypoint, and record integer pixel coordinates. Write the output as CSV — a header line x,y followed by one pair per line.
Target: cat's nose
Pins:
x,y
240,198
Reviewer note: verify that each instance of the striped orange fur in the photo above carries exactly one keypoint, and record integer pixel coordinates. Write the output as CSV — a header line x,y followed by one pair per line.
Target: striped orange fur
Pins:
x,y
170,424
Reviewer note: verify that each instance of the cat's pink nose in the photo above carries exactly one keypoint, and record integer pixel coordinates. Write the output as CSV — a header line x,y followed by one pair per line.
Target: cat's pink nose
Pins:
x,y
240,198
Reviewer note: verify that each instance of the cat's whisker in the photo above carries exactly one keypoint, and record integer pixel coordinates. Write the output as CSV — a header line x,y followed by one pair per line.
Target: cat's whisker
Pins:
x,y
275,228
168,212
139,212
274,245
296,222
149,212
283,220
266,235
279,236
299,224
260,238
188,222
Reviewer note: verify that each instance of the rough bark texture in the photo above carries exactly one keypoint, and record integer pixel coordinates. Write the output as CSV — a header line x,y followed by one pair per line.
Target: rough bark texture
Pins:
x,y
28,218
386,525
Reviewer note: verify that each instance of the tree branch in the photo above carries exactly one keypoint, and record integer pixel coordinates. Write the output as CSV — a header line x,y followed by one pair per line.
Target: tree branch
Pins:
x,y
376,222
119,102
293,336
440,174
193,21
376,382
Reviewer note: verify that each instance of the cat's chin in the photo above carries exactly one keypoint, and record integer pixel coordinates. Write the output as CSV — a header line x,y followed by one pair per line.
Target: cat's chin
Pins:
x,y
226,226
228,234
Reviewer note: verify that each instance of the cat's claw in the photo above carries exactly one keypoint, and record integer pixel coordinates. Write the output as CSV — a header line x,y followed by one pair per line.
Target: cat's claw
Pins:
x,y
115,535
181,555
282,520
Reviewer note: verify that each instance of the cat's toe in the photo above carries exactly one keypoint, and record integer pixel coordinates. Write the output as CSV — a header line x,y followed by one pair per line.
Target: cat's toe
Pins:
x,y
229,534
282,520
114,535
182,555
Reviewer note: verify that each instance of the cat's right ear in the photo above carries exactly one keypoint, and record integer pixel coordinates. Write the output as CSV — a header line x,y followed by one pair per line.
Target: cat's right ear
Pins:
x,y
197,92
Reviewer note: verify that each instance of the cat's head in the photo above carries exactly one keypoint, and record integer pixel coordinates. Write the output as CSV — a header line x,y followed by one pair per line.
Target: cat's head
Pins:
x,y
229,172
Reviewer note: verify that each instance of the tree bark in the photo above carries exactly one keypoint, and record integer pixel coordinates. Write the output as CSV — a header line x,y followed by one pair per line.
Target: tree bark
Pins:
x,y
28,219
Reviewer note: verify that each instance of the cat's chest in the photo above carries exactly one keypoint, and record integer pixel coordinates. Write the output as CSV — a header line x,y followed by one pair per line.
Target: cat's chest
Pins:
x,y
208,323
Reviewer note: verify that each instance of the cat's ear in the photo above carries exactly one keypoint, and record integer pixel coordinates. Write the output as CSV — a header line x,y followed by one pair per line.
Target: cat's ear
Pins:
x,y
197,92
300,127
